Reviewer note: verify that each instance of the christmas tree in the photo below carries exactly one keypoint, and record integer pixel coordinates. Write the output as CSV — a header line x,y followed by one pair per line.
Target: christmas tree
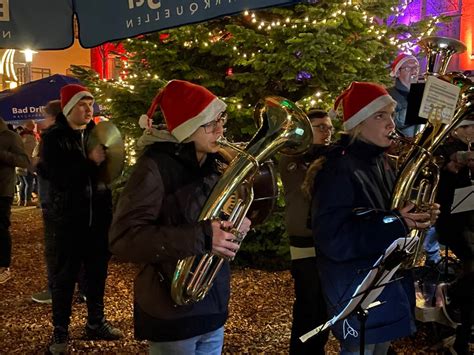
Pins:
x,y
306,53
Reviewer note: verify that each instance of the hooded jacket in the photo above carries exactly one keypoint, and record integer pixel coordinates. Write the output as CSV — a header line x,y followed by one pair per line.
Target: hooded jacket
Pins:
x,y
12,154
350,202
155,224
75,196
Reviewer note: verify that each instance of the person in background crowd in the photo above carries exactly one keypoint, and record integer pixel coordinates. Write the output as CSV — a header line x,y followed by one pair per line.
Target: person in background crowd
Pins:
x,y
26,175
456,230
12,154
156,222
405,69
77,215
353,223
309,309
50,111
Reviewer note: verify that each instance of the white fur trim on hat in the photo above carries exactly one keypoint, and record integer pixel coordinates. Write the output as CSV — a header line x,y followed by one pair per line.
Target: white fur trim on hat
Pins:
x,y
402,61
368,110
186,129
78,96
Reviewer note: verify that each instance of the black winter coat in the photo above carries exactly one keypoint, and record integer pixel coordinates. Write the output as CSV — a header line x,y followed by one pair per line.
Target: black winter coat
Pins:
x,y
357,177
155,224
74,196
454,230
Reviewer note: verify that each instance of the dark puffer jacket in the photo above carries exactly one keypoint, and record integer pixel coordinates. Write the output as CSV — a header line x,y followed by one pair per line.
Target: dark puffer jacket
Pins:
x,y
455,230
358,176
75,196
12,154
155,224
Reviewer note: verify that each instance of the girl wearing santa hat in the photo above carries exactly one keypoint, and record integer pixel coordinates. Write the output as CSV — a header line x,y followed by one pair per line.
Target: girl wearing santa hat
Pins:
x,y
353,222
156,221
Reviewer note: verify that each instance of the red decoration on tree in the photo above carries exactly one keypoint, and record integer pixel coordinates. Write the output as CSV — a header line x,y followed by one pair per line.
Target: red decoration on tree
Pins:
x,y
229,71
164,37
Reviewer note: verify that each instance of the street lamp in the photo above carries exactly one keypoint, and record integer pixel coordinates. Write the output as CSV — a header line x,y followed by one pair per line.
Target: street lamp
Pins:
x,y
28,59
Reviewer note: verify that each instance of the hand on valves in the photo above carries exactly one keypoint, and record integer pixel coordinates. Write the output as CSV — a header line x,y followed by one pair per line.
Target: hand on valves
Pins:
x,y
223,241
420,220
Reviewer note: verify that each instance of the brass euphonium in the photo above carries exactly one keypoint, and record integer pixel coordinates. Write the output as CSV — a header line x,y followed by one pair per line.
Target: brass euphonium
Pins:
x,y
283,128
419,174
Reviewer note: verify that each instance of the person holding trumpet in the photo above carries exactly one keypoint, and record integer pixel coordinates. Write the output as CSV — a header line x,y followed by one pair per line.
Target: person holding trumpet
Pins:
x,y
353,223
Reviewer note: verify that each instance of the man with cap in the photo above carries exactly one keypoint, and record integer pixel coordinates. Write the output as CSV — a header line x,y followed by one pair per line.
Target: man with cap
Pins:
x,y
77,216
456,230
309,308
404,69
12,154
156,221
353,224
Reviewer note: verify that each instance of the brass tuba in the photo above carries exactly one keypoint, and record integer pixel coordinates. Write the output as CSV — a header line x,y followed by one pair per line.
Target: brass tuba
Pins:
x,y
419,175
283,127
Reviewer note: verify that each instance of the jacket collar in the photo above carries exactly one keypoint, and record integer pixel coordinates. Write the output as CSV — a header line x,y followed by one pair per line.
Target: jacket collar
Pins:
x,y
361,149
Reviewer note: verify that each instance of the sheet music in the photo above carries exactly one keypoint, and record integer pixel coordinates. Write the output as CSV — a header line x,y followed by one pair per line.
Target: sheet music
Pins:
x,y
361,295
463,200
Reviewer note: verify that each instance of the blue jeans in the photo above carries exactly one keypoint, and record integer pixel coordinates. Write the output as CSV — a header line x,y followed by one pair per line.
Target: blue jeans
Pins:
x,y
431,246
206,344
26,187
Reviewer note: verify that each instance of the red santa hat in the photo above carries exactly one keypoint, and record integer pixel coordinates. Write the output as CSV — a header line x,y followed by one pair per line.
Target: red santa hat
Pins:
x,y
399,61
71,94
185,107
360,101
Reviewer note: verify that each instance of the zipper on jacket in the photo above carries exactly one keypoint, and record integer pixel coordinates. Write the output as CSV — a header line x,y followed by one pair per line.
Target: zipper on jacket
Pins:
x,y
89,178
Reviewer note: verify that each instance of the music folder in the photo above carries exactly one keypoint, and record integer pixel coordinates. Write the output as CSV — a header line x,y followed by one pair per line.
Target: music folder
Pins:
x,y
414,99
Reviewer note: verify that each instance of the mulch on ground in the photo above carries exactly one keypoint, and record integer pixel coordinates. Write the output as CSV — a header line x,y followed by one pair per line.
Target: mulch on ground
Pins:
x,y
260,308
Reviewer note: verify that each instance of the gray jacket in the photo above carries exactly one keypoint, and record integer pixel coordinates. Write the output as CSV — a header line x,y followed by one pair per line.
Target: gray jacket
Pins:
x,y
12,154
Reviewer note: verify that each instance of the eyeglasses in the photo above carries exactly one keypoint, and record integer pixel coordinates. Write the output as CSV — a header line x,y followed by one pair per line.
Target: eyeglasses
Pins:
x,y
210,127
324,128
411,69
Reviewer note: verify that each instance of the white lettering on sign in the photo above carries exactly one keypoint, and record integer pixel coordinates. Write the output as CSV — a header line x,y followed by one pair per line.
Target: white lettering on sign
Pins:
x,y
192,8
152,4
16,110
4,10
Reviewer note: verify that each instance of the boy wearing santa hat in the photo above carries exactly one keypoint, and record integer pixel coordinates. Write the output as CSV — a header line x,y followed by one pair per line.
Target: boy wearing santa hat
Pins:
x,y
76,217
156,221
353,223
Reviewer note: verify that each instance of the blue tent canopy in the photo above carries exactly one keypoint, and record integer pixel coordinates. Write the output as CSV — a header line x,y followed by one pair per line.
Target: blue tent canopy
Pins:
x,y
49,24
26,101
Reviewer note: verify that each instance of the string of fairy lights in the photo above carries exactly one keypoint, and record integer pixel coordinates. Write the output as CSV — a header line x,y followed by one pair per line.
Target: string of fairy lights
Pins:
x,y
404,44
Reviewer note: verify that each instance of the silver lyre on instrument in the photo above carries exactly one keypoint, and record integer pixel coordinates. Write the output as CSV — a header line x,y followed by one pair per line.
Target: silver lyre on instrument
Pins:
x,y
419,173
283,127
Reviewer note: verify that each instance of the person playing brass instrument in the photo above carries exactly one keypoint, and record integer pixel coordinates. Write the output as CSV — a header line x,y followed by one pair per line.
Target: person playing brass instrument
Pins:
x,y
156,222
456,230
353,223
